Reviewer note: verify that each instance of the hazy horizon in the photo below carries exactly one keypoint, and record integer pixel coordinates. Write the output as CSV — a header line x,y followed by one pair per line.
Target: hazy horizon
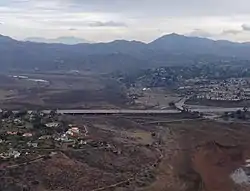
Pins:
x,y
36,38
142,20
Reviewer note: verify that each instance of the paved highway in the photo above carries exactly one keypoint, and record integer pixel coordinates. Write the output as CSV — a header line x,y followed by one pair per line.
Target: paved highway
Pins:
x,y
150,111
116,111
179,105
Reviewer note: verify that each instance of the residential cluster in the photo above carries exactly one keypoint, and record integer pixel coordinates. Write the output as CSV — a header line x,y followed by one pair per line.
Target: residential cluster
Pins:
x,y
233,89
26,135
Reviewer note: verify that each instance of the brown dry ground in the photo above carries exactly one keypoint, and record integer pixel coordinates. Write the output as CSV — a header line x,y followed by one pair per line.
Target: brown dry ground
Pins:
x,y
200,155
194,155
63,91
92,167
155,97
86,90
216,103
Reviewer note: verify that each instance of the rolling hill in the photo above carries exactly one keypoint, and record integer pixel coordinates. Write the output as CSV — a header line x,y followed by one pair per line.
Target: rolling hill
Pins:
x,y
172,49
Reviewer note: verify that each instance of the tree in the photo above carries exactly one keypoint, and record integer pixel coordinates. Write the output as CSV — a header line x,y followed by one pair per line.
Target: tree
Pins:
x,y
201,114
171,104
7,114
245,109
53,113
21,113
238,112
38,125
226,115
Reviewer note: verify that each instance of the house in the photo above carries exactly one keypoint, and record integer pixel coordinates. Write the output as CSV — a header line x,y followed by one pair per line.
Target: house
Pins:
x,y
146,89
11,133
73,131
35,145
17,121
27,135
32,117
82,142
41,113
63,137
13,153
45,137
9,154
53,124
52,154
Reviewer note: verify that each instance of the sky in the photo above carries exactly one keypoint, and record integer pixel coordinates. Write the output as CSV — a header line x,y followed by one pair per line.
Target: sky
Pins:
x,y
143,20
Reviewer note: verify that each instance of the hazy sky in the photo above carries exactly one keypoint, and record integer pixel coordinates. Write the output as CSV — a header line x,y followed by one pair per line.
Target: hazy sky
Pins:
x,y
145,20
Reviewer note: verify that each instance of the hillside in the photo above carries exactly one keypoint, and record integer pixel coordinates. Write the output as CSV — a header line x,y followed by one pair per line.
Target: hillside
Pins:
x,y
170,49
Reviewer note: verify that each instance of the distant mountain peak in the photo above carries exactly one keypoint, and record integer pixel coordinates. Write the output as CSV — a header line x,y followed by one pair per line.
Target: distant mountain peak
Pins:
x,y
175,38
174,35
127,41
181,37
6,38
70,40
2,36
167,50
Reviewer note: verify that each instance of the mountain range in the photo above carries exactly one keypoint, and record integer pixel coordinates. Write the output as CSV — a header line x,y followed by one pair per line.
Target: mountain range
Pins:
x,y
172,49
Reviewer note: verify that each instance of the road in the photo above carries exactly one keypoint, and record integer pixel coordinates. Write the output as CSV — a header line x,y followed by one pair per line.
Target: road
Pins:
x,y
25,163
179,107
216,109
203,109
150,111
116,111
170,121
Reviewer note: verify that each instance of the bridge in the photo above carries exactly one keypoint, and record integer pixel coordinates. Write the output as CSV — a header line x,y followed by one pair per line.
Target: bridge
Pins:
x,y
116,111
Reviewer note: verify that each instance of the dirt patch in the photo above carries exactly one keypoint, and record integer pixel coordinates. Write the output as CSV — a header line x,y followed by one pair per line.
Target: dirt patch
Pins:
x,y
78,96
215,162
78,174
179,156
201,155
217,103
60,91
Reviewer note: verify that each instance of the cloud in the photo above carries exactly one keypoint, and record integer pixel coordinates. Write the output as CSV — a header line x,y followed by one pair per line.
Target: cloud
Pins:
x,y
163,7
125,19
107,24
72,29
200,33
245,27
231,32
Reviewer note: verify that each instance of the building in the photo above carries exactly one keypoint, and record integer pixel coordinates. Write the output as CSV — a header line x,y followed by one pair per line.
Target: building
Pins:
x,y
9,154
11,133
53,124
74,131
27,135
35,145
45,137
